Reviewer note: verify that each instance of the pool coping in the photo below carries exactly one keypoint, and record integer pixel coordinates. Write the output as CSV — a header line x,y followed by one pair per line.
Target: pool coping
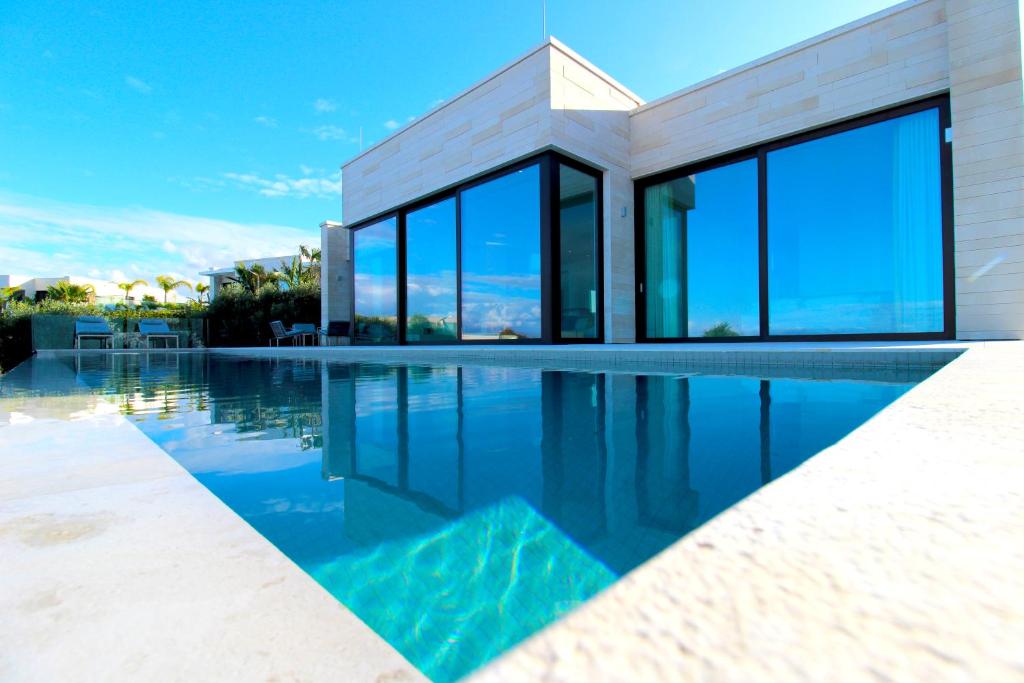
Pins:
x,y
927,354
758,592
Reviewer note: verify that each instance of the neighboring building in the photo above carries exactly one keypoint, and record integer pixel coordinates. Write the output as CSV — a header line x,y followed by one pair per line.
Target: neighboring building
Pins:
x,y
866,183
221,276
106,291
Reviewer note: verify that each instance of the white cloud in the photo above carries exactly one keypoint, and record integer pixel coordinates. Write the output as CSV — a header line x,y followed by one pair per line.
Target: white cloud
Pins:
x,y
48,238
391,124
322,106
281,185
330,133
268,121
138,85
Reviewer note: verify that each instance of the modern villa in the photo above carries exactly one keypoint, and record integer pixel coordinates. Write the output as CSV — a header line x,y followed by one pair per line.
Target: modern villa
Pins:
x,y
864,184
726,386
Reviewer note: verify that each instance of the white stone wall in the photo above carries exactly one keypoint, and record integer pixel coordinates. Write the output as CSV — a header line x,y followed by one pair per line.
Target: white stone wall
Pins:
x,y
335,273
987,107
888,58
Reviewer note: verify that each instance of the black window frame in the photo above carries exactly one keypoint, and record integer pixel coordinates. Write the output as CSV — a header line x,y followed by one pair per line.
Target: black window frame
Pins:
x,y
547,162
760,152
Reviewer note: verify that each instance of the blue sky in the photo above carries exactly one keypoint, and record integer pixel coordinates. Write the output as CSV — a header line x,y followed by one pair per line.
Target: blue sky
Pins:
x,y
145,138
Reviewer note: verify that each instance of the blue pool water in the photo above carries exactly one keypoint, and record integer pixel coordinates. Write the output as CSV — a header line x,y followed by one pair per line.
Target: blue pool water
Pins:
x,y
457,510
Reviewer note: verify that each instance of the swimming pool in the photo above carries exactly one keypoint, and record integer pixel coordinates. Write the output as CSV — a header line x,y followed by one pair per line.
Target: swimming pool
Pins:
x,y
458,509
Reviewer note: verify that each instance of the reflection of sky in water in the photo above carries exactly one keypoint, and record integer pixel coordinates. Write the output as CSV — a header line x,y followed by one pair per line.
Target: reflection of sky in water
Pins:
x,y
458,510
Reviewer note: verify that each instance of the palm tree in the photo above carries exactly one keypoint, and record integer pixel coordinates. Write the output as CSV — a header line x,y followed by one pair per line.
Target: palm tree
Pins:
x,y
7,294
64,290
202,289
293,275
252,278
313,256
129,286
168,283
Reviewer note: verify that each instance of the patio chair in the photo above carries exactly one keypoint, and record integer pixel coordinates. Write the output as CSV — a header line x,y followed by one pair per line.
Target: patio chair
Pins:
x,y
93,327
305,331
157,329
281,334
336,329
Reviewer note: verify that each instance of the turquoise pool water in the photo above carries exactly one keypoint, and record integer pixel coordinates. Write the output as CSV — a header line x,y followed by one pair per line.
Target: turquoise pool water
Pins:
x,y
457,510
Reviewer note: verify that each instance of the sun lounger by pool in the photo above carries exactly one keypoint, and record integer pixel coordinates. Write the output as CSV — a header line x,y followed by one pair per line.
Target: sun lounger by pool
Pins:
x,y
157,329
93,327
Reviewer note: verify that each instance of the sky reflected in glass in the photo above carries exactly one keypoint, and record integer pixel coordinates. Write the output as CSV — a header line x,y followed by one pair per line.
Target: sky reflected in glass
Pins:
x,y
855,231
501,284
431,296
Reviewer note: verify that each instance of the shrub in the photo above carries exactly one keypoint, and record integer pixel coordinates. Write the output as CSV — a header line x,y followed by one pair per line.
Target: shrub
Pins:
x,y
238,317
722,329
15,334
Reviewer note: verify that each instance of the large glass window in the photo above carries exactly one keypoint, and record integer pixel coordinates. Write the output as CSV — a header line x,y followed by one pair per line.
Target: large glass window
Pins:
x,y
430,282
854,246
855,231
375,262
501,287
701,254
578,226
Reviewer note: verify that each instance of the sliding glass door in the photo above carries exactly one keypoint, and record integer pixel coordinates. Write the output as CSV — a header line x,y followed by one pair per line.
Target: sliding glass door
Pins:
x,y
375,267
839,233
431,285
855,231
501,275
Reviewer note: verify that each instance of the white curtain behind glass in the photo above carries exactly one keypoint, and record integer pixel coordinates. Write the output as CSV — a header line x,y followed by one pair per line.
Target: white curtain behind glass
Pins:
x,y
917,225
664,260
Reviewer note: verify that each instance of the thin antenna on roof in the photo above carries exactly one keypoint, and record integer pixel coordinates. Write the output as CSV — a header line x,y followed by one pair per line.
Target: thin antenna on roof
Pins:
x,y
544,20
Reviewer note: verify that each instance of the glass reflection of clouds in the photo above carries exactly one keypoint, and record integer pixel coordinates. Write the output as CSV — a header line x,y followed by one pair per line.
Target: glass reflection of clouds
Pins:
x,y
375,268
431,296
501,257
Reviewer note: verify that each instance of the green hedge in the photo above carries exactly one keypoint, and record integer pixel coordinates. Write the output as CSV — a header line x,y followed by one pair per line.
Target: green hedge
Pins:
x,y
15,335
240,318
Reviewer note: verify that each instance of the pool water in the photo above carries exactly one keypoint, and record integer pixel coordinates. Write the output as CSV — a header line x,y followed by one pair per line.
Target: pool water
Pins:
x,y
458,509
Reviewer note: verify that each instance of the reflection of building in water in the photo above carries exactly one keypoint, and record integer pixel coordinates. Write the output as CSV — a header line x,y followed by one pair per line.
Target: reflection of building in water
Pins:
x,y
575,453
339,420
269,399
608,462
665,499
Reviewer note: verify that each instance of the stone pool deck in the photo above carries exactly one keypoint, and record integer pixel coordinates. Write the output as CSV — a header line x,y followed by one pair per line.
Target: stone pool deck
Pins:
x,y
117,565
895,554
